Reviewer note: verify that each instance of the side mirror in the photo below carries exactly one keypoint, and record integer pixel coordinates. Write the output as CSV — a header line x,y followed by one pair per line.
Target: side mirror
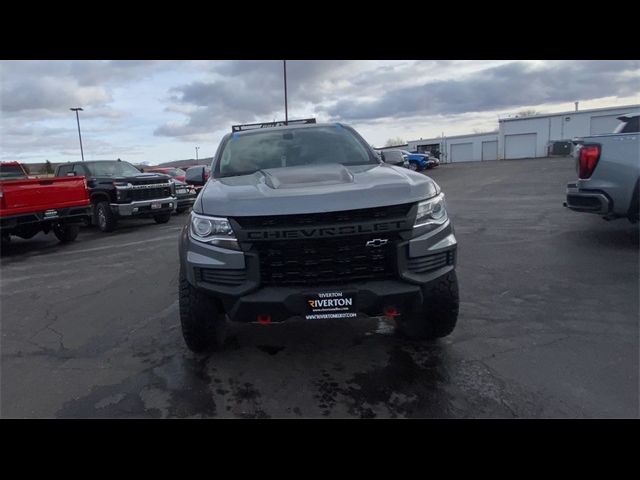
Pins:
x,y
196,176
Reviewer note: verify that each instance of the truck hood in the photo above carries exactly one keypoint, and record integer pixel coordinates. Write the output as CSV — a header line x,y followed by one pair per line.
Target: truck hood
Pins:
x,y
313,189
160,177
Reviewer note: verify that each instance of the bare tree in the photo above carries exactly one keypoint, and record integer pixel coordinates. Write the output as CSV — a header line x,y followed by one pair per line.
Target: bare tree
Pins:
x,y
395,141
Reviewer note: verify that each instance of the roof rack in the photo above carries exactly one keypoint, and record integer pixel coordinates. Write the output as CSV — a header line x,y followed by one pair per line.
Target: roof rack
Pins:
x,y
255,126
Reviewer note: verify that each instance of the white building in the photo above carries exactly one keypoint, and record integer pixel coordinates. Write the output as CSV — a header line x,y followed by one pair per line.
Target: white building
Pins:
x,y
523,137
460,148
528,137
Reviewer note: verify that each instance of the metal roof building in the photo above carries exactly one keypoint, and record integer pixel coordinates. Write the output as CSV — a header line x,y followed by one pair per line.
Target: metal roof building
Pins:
x,y
524,136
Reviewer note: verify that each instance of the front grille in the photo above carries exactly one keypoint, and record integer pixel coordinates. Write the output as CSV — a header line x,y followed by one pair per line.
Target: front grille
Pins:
x,y
148,194
335,261
428,263
222,276
325,218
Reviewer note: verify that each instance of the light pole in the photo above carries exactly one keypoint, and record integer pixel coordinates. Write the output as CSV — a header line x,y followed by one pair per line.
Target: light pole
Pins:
x,y
79,135
286,111
197,148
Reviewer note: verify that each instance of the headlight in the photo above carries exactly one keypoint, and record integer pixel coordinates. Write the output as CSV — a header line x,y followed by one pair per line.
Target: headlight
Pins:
x,y
213,230
431,212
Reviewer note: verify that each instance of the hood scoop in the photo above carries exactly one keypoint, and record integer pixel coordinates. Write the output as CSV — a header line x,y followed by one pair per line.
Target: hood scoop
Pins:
x,y
307,176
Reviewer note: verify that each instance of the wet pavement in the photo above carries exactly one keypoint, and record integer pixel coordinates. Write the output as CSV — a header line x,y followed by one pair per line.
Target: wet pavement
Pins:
x,y
548,324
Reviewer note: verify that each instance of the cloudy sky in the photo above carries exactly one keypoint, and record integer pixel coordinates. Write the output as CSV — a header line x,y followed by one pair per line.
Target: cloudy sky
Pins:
x,y
157,111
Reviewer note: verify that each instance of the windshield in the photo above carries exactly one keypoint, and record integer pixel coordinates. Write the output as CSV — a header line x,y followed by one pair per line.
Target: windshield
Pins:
x,y
628,125
11,171
246,154
112,169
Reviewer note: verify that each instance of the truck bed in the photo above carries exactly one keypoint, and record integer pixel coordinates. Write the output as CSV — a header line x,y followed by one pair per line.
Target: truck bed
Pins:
x,y
40,194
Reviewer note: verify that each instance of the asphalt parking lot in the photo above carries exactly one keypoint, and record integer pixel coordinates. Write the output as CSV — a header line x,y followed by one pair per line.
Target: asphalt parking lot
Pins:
x,y
548,324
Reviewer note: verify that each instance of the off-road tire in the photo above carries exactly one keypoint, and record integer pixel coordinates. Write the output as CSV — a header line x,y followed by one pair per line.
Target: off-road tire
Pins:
x,y
203,322
105,218
438,316
413,166
66,233
162,217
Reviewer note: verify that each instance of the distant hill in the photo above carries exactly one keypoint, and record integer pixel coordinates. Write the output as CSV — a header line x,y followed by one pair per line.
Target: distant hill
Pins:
x,y
187,163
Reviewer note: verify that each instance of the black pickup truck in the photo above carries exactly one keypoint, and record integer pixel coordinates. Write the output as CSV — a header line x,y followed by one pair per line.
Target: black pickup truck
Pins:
x,y
118,189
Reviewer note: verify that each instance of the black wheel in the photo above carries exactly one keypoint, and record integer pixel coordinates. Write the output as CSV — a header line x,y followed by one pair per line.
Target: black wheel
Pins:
x,y
203,322
105,218
439,314
66,233
413,166
162,218
181,210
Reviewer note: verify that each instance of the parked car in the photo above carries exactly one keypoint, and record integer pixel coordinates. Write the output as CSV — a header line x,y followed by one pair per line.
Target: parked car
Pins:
x,y
32,205
175,173
608,168
186,195
119,190
307,220
418,161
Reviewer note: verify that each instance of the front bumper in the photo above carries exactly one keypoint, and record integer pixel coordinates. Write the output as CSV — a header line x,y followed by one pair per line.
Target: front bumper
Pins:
x,y
144,207
185,201
281,303
591,201
234,278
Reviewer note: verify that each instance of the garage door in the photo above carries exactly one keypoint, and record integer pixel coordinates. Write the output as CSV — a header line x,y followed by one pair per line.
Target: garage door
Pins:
x,y
461,152
490,150
520,146
604,124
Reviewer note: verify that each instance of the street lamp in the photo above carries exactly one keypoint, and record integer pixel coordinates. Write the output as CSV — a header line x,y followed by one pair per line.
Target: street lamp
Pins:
x,y
286,111
79,135
197,148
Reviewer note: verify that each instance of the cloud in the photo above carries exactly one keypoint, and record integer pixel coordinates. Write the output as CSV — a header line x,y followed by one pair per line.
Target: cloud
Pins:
x,y
246,91
52,87
505,86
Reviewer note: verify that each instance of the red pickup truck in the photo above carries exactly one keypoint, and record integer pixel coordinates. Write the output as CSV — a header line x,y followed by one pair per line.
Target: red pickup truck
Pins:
x,y
32,205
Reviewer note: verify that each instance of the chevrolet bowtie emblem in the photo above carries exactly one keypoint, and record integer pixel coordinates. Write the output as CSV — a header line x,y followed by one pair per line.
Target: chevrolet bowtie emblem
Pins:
x,y
378,242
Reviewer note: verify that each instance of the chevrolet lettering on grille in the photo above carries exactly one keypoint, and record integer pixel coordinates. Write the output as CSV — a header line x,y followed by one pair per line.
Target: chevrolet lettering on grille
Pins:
x,y
320,232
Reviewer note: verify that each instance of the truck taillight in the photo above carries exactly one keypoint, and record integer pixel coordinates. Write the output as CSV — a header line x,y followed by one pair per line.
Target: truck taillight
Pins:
x,y
587,160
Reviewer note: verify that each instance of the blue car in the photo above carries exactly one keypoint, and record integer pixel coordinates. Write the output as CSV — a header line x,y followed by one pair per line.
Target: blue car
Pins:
x,y
417,161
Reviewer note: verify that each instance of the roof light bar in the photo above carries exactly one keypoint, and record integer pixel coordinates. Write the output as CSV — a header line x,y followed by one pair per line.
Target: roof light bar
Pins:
x,y
255,126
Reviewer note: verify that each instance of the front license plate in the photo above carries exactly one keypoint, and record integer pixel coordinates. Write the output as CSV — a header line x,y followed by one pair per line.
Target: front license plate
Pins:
x,y
155,206
331,305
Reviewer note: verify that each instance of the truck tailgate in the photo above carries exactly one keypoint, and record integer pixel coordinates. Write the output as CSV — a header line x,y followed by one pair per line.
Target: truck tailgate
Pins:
x,y
40,194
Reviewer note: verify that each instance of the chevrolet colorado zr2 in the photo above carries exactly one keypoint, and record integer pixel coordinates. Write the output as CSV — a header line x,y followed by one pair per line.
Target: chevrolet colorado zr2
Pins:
x,y
305,219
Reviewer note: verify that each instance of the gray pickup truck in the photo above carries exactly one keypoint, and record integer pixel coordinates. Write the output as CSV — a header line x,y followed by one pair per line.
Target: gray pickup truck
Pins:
x,y
608,169
306,220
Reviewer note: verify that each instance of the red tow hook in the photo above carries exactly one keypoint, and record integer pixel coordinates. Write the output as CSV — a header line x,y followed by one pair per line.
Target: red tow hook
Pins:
x,y
391,312
264,319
